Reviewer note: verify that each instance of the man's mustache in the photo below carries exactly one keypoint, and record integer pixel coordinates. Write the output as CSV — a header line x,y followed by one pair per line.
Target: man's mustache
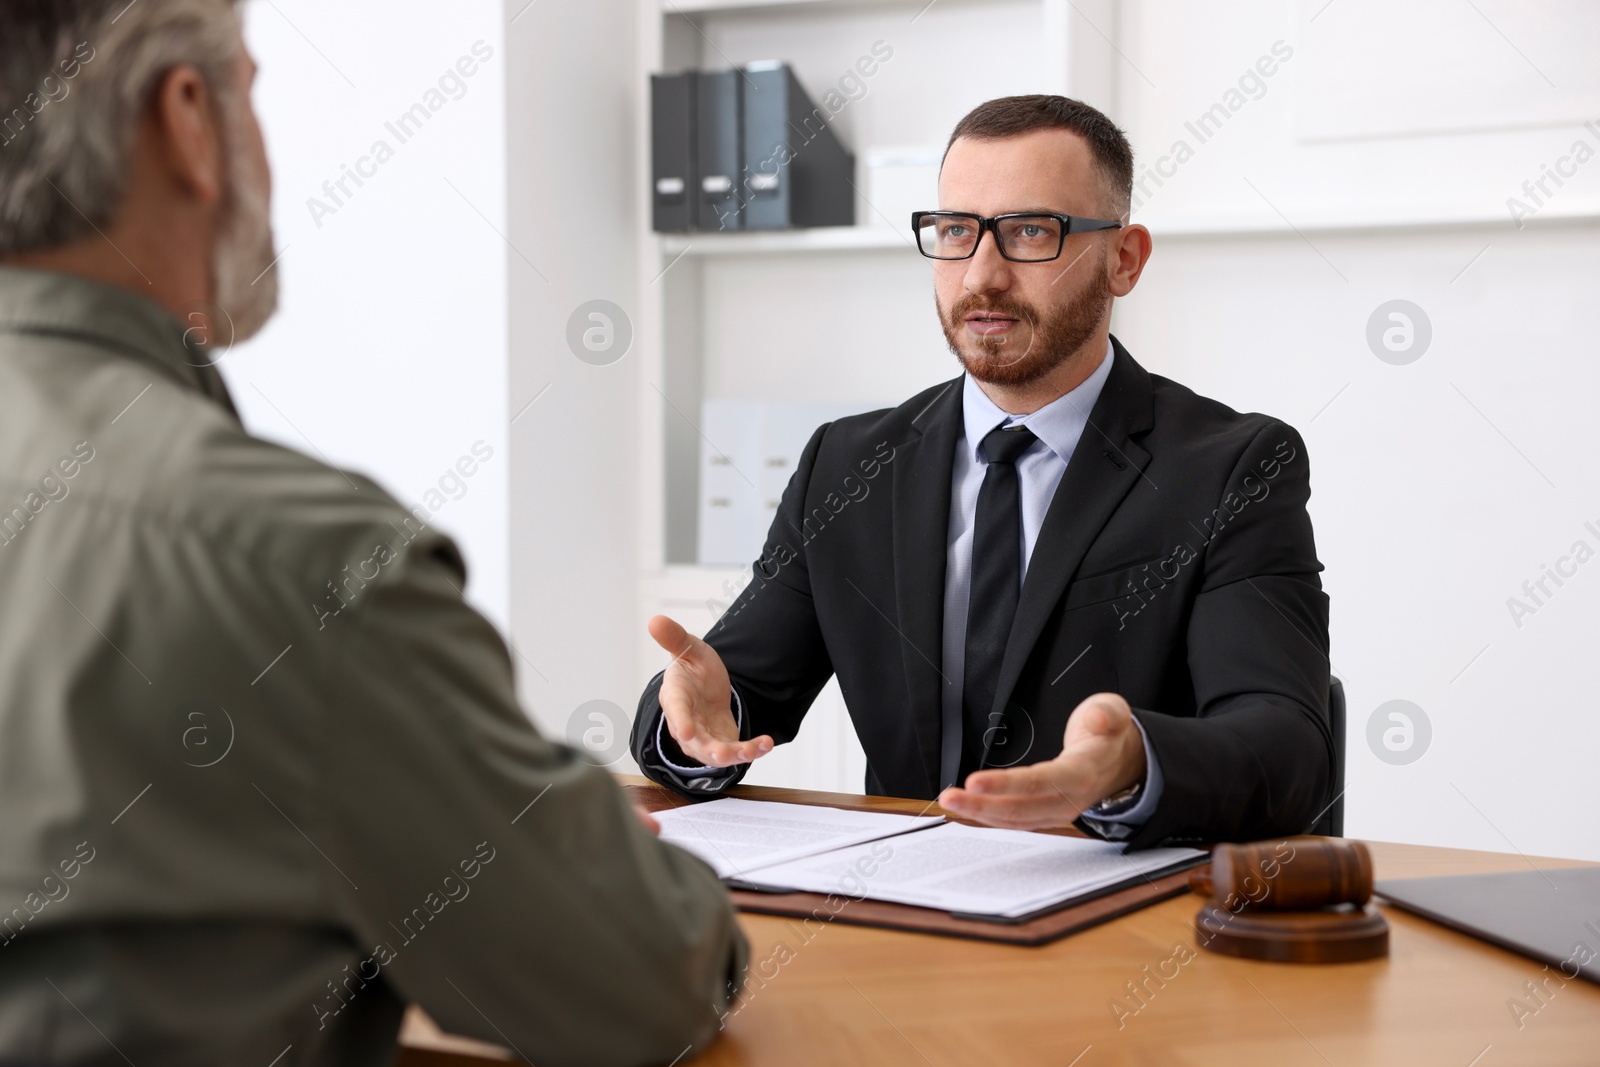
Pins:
x,y
998,305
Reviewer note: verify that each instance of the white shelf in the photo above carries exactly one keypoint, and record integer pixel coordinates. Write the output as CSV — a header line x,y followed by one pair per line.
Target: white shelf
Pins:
x,y
1443,218
882,239
695,7
705,7
701,326
820,239
870,238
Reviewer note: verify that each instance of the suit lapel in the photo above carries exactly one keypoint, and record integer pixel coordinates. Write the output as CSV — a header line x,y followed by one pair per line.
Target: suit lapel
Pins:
x,y
1104,466
922,470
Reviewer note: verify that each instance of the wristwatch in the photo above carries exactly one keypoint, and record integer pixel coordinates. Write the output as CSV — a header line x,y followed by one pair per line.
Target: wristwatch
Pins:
x,y
1119,802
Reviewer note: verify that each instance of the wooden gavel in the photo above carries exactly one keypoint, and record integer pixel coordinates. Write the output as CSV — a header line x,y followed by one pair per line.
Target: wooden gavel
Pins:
x,y
1288,875
1300,899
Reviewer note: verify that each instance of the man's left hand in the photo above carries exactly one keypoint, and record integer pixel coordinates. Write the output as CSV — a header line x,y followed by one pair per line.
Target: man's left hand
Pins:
x,y
1103,753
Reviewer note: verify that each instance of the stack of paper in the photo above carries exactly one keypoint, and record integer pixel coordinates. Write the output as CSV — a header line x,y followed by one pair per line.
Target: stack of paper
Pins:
x,y
979,872
738,837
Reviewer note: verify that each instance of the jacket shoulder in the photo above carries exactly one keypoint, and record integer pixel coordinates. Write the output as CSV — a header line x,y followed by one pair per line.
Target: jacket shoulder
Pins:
x,y
194,470
1184,419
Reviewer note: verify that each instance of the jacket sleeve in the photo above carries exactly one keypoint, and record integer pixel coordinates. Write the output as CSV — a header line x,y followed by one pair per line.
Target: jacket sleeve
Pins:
x,y
770,642
1257,759
662,761
489,874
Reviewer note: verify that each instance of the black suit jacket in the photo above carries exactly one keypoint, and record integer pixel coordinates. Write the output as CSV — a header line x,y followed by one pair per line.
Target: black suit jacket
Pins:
x,y
1175,566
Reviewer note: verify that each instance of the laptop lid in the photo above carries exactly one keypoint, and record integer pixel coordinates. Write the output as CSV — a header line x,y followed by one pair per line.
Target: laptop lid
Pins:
x,y
1552,916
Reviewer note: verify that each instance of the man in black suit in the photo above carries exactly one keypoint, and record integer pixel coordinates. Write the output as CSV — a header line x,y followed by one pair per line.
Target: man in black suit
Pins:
x,y
1056,590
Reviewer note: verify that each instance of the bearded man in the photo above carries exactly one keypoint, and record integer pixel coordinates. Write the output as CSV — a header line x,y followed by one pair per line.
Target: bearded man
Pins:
x,y
239,827
1057,590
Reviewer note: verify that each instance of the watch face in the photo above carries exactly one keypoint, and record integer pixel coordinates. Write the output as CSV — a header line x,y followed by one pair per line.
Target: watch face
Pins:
x,y
1118,800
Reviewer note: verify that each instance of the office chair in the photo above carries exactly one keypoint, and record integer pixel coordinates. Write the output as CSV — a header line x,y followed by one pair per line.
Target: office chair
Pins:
x,y
1331,822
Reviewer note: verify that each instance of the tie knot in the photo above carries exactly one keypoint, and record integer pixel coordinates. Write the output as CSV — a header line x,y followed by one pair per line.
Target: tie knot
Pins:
x,y
1004,444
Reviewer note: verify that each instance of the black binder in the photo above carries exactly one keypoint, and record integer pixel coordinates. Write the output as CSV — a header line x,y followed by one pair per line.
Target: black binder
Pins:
x,y
672,151
795,170
718,200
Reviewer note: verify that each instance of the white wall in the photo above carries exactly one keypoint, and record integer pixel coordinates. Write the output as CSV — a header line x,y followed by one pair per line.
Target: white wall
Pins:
x,y
572,89
426,312
389,353
1441,485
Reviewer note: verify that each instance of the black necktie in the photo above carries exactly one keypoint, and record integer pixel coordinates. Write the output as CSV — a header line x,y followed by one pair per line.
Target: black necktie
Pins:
x,y
996,585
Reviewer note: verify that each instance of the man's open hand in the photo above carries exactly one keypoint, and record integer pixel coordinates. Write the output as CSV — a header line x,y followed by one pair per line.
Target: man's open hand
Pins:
x,y
697,700
1103,753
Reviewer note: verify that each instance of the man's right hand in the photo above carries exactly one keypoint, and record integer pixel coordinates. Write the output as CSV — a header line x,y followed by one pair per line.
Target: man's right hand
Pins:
x,y
697,700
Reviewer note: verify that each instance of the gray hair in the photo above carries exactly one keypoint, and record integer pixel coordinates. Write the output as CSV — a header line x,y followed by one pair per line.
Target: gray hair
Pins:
x,y
75,78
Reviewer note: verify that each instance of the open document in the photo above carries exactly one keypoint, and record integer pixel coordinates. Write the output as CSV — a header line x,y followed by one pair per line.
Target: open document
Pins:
x,y
739,836
976,871
924,861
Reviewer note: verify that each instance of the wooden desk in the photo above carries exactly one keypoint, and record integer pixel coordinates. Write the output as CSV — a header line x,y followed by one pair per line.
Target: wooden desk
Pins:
x,y
855,995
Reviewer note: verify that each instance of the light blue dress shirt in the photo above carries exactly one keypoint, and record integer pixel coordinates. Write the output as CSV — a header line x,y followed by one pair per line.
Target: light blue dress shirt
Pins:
x,y
1058,426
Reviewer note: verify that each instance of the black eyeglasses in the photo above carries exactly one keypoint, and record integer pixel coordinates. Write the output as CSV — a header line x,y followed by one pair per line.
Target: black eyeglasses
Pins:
x,y
1024,237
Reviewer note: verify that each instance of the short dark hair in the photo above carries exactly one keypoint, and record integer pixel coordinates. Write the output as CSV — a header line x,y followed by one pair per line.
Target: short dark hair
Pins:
x,y
1009,116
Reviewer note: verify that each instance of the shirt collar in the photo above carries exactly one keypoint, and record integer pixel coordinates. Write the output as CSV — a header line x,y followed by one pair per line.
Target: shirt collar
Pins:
x,y
63,305
1058,424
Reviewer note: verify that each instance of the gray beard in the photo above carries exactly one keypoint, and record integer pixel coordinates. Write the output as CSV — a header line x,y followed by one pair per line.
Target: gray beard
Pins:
x,y
244,267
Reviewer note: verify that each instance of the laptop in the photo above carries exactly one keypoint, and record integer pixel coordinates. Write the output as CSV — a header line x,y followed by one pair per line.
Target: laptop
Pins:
x,y
1552,916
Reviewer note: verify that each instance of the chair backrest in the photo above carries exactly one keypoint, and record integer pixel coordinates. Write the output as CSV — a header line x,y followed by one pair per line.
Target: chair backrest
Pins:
x,y
1331,822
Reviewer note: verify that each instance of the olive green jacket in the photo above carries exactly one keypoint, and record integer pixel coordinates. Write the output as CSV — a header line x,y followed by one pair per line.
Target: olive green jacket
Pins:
x,y
263,777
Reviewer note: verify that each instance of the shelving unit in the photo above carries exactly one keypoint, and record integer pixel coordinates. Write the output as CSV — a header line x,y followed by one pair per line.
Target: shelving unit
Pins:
x,y
841,314
822,239
696,7
704,7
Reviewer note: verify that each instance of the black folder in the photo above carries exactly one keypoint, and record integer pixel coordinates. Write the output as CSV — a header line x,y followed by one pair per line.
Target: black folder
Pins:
x,y
718,203
795,172
672,151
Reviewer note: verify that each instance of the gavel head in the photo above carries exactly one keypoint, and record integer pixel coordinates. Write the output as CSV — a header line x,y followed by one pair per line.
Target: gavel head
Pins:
x,y
1289,874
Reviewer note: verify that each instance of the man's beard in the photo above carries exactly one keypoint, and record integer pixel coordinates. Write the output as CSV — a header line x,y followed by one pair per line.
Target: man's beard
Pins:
x,y
1056,335
245,273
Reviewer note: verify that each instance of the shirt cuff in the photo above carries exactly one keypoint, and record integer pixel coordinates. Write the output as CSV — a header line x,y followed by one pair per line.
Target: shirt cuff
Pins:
x,y
1122,824
700,770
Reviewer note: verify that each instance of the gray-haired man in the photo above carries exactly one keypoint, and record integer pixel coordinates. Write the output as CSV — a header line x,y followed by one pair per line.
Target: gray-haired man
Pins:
x,y
263,779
